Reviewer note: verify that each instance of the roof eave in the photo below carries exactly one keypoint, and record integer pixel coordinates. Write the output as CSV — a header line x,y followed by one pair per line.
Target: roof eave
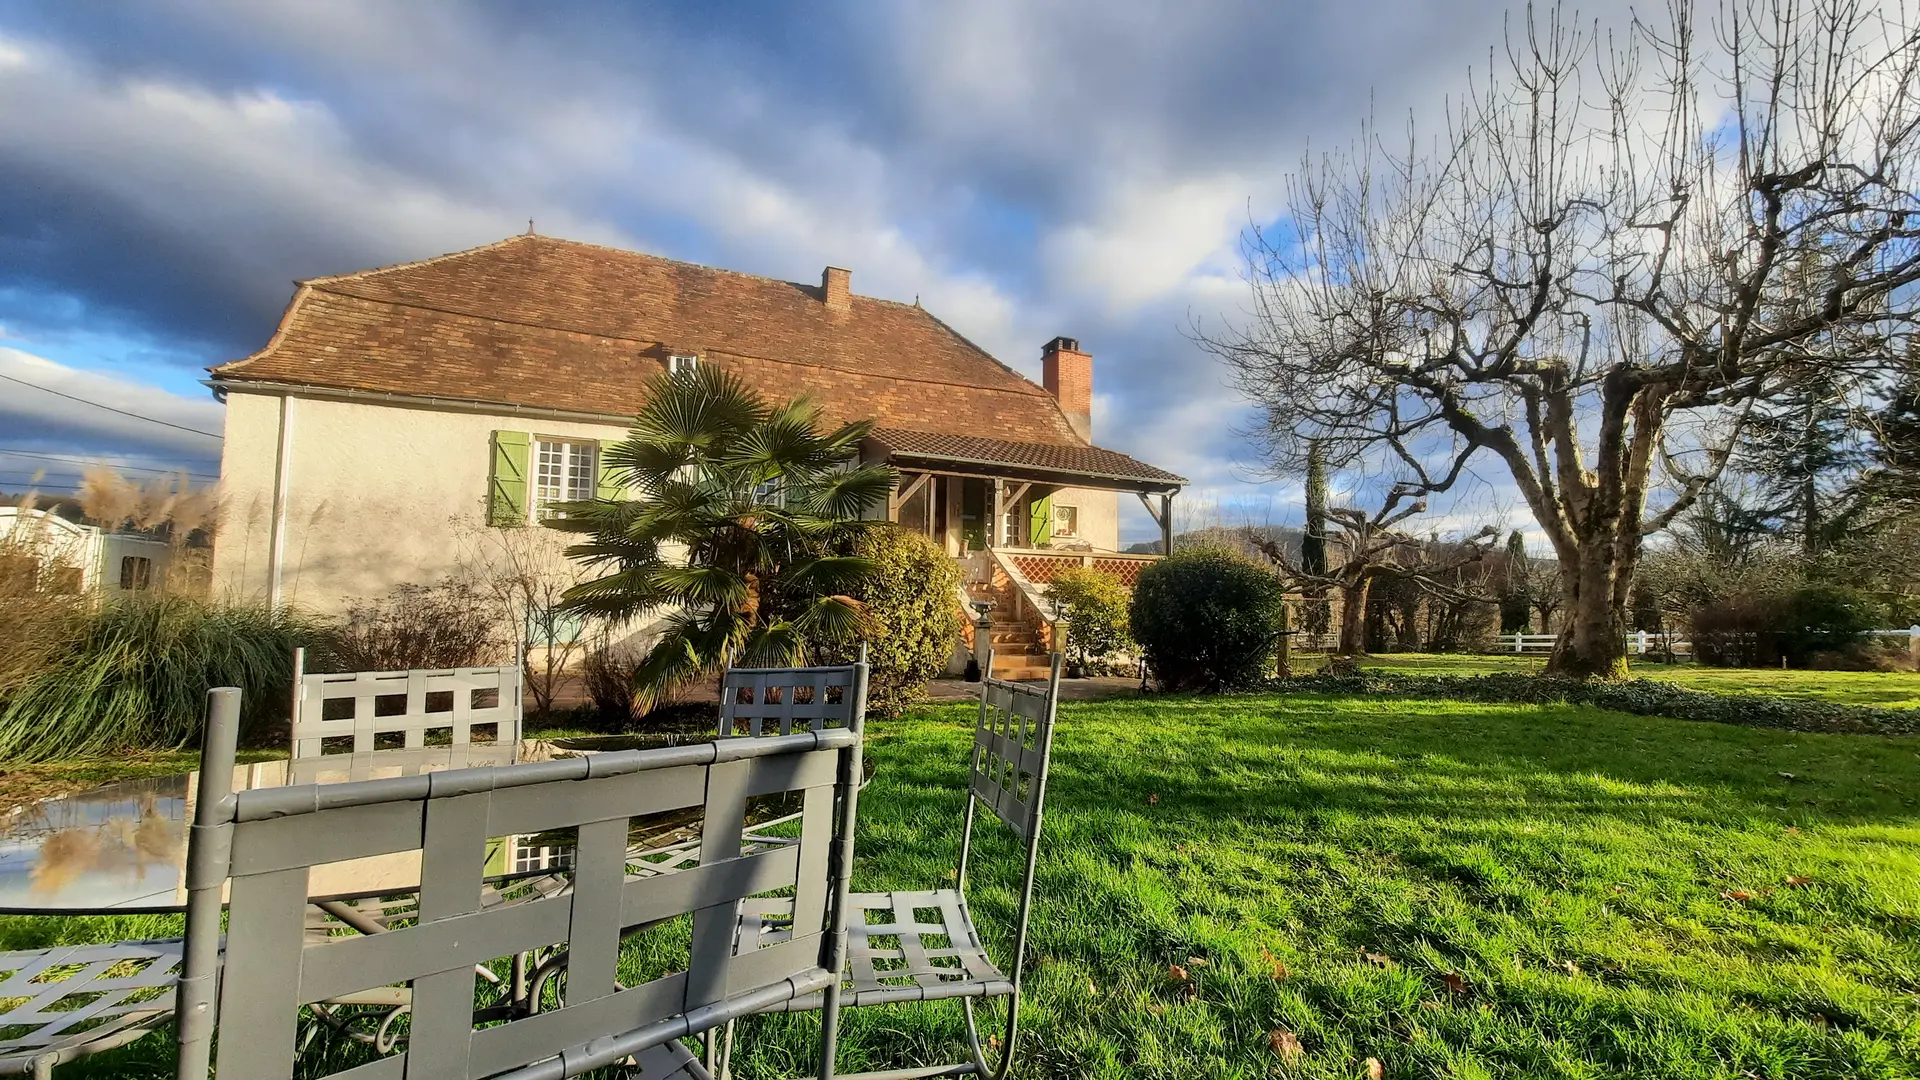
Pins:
x,y
1043,474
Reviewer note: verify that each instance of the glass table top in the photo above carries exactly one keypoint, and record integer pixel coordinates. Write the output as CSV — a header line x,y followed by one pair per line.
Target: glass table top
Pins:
x,y
121,848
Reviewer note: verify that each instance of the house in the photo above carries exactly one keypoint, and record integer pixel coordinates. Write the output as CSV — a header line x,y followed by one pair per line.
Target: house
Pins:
x,y
41,551
395,407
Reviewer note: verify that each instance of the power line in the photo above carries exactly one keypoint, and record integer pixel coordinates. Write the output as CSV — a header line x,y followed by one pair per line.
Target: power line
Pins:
x,y
9,451
111,409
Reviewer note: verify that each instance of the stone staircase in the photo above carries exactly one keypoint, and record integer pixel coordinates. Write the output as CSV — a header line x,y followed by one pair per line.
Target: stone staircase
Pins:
x,y
1017,650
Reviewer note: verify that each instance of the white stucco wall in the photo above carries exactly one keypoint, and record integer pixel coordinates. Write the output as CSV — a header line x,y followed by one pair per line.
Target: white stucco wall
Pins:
x,y
377,495
1099,515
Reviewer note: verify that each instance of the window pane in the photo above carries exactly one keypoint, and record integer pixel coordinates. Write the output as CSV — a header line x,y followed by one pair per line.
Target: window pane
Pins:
x,y
564,471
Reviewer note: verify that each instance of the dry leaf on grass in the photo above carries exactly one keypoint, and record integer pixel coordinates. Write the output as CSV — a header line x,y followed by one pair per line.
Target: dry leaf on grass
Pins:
x,y
1379,960
1196,962
1153,799
1278,967
1741,895
1799,882
1176,973
1286,1044
1454,982
1375,1070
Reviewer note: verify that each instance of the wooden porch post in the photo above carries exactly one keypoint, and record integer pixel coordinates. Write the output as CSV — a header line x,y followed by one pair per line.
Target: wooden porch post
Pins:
x,y
1166,524
999,517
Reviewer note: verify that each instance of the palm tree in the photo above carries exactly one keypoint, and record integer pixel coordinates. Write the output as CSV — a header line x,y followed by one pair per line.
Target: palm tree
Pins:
x,y
738,503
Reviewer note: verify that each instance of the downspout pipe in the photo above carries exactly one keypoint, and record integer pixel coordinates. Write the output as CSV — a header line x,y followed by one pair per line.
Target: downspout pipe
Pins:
x,y
282,483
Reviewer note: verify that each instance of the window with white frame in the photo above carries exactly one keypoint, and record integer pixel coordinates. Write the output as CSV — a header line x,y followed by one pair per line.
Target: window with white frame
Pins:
x,y
563,471
1066,520
529,856
770,493
682,364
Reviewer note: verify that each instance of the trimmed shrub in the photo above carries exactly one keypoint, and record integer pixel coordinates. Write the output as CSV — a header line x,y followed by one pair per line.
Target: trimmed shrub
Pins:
x,y
1207,620
1095,610
1825,619
912,614
134,675
419,626
1736,631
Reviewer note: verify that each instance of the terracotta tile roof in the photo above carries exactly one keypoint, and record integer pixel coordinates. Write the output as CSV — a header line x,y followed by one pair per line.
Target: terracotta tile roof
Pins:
x,y
539,322
1080,460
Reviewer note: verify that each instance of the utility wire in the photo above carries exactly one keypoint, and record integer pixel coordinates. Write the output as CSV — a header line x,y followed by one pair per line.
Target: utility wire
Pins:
x,y
8,451
111,409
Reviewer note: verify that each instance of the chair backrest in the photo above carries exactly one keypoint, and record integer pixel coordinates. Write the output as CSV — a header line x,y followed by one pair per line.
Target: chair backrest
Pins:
x,y
770,701
1013,747
277,836
454,700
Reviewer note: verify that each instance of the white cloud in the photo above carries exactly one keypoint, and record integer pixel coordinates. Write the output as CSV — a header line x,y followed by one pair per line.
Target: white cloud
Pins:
x,y
35,411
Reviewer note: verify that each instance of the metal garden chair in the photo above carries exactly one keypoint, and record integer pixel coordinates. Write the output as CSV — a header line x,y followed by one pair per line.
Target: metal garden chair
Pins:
x,y
474,697
266,842
894,949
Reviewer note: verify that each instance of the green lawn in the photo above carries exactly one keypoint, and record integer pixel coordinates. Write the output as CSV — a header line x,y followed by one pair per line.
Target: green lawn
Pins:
x,y
1888,689
1614,895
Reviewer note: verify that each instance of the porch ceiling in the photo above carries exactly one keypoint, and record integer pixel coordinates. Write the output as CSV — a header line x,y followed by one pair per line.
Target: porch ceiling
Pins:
x,y
1047,463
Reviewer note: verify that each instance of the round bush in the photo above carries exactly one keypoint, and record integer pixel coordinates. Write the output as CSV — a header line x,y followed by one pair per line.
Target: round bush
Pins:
x,y
1094,610
914,616
1207,620
1825,618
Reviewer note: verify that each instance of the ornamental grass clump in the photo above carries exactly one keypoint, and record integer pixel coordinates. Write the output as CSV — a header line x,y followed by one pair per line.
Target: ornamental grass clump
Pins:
x,y
133,673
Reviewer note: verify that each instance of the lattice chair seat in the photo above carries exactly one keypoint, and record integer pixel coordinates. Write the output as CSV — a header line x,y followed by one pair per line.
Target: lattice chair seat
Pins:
x,y
76,1000
901,946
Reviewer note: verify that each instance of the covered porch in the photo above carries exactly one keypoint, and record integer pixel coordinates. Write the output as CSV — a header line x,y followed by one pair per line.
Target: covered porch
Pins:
x,y
1015,515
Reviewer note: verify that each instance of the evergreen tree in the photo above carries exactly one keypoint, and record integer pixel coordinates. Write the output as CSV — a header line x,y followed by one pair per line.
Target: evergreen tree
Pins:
x,y
1516,598
1316,615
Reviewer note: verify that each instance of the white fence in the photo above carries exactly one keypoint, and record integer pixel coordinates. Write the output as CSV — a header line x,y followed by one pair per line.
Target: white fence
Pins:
x,y
1641,643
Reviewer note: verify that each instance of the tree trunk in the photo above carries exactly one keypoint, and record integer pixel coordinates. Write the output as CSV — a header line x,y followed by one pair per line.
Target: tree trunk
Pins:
x,y
1593,630
1353,617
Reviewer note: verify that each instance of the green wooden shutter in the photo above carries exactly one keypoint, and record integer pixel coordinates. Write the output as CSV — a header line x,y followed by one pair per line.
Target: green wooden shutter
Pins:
x,y
1040,522
609,488
507,486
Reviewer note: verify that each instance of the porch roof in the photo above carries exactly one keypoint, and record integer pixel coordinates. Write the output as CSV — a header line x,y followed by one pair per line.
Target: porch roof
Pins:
x,y
1053,463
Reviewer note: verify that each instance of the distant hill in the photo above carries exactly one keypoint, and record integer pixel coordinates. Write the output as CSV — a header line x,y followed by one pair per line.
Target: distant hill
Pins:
x,y
1219,536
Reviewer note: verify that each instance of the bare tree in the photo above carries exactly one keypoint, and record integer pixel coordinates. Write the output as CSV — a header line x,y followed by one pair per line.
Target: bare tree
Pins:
x,y
1371,546
525,573
1622,243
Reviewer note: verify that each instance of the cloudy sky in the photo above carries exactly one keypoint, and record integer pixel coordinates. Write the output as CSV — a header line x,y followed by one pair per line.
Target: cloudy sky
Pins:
x,y
1025,168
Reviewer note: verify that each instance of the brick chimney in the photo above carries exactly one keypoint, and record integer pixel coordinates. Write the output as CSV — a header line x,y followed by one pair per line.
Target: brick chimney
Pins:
x,y
1068,375
836,285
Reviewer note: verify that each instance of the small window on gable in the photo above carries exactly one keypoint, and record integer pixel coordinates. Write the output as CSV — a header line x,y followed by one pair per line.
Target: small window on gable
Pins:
x,y
564,471
136,572
682,364
1066,520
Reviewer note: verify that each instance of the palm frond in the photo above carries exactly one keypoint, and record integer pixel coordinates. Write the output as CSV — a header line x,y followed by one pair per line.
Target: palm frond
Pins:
x,y
836,619
848,494
830,573
702,585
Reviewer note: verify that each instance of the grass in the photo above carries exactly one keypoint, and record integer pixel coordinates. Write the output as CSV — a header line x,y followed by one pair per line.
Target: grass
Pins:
x,y
1887,689
1614,895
